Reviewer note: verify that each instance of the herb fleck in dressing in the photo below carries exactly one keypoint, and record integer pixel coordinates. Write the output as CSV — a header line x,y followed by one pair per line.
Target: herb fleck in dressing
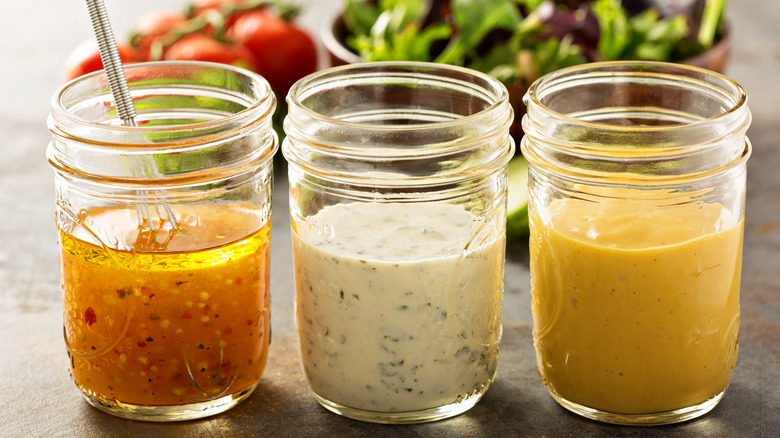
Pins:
x,y
393,314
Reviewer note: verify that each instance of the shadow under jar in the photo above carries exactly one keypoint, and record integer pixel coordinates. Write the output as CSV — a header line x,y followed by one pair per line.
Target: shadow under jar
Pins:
x,y
164,238
637,192
398,203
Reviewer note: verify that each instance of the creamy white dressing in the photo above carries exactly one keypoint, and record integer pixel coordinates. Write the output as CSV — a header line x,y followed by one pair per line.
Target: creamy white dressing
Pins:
x,y
398,306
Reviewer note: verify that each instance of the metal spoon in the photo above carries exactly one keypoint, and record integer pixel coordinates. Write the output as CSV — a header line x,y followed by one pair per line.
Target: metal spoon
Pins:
x,y
123,101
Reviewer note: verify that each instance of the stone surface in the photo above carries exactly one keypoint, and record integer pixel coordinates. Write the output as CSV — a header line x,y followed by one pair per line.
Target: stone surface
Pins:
x,y
37,398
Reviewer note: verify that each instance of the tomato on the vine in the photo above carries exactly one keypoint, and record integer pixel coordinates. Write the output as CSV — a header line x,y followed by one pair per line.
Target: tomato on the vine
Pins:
x,y
202,47
284,52
254,34
199,8
85,58
152,28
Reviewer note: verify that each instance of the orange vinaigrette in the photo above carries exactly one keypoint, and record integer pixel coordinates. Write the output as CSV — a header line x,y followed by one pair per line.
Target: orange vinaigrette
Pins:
x,y
186,323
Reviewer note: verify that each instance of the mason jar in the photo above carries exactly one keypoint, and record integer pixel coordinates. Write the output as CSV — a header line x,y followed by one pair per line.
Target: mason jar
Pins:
x,y
164,237
397,177
637,194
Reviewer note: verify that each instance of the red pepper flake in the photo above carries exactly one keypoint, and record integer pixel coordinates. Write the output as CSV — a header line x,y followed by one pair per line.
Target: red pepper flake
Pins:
x,y
186,315
239,280
151,295
89,316
248,322
141,344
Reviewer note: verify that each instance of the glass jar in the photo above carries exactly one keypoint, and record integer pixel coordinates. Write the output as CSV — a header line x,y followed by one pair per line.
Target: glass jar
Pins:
x,y
637,192
398,201
164,237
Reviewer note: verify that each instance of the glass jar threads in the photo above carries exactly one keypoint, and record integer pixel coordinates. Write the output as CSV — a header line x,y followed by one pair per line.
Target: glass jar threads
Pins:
x,y
637,191
398,201
164,237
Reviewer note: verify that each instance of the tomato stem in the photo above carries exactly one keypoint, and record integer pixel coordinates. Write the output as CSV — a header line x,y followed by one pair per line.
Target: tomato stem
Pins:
x,y
287,11
195,25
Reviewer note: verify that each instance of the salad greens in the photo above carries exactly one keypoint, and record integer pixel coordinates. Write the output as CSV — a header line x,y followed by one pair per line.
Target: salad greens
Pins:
x,y
517,198
519,40
643,36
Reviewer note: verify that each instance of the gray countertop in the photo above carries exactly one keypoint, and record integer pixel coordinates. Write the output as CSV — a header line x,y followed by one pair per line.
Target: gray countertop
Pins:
x,y
37,398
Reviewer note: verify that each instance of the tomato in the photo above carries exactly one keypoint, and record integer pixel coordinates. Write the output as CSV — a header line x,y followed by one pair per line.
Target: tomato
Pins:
x,y
152,28
284,52
85,58
202,47
201,8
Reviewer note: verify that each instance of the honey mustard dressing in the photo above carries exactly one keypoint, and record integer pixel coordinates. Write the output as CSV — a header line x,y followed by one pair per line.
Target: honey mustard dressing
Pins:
x,y
636,310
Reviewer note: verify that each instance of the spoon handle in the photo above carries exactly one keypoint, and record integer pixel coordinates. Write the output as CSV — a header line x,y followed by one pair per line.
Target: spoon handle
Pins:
x,y
111,61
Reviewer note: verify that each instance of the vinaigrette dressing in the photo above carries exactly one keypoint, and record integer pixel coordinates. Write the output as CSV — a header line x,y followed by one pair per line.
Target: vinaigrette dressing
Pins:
x,y
157,324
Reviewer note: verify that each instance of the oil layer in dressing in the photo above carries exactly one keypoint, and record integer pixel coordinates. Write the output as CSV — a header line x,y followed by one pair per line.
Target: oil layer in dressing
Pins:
x,y
398,307
636,310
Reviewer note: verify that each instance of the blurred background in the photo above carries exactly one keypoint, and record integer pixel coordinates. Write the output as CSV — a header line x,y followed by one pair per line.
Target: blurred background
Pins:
x,y
38,37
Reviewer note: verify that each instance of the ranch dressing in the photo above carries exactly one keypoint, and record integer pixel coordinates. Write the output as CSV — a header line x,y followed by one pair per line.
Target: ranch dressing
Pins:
x,y
398,306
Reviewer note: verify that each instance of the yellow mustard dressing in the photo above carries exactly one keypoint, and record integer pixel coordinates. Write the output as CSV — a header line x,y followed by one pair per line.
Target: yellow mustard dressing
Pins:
x,y
636,310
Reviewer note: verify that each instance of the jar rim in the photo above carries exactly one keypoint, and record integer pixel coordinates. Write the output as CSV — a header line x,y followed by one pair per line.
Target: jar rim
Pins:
x,y
384,67
60,111
638,121
739,96
207,121
398,123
